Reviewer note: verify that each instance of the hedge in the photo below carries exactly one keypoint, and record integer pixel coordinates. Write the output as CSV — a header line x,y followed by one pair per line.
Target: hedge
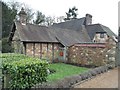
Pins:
x,y
25,73
8,57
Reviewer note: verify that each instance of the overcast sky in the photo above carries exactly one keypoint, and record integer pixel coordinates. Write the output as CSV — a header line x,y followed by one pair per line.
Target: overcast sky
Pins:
x,y
103,11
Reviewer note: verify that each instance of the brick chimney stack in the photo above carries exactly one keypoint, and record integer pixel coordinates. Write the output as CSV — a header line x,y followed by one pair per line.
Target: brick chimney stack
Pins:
x,y
88,19
22,15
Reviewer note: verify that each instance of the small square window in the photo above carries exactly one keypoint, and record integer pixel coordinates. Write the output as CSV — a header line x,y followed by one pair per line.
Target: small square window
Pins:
x,y
102,35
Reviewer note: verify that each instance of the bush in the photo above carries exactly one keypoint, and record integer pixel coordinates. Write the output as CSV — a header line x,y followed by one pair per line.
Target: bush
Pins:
x,y
6,47
25,73
10,57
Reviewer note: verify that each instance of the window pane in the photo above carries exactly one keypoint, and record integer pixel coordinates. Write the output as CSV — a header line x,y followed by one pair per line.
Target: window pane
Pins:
x,y
102,35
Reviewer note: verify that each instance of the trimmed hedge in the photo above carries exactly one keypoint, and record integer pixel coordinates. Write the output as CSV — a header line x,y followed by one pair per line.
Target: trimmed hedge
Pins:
x,y
25,73
7,55
10,57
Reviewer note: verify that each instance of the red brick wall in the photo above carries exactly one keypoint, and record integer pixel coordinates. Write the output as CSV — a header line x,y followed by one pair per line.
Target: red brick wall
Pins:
x,y
87,55
43,50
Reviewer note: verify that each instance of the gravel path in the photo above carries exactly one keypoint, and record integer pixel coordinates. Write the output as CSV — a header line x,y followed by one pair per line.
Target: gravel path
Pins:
x,y
106,80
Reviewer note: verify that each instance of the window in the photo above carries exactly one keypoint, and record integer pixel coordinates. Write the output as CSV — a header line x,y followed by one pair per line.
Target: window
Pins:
x,y
94,41
102,35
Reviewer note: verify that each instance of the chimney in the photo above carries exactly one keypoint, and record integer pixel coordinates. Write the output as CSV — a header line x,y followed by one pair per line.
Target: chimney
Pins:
x,y
88,19
22,15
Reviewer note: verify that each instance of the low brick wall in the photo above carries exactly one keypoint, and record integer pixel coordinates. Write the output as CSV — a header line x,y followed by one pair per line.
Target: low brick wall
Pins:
x,y
88,54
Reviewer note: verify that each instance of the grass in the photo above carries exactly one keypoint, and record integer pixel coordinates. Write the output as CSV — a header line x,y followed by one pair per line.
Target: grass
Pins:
x,y
64,70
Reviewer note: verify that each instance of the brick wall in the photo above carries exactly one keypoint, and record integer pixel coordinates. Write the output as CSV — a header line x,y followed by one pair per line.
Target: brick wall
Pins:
x,y
18,46
88,54
47,51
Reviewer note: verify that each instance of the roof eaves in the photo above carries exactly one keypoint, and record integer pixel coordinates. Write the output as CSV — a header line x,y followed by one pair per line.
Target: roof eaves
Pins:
x,y
11,32
109,32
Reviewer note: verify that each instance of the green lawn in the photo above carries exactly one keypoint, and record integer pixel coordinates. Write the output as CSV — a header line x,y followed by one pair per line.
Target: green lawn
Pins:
x,y
64,70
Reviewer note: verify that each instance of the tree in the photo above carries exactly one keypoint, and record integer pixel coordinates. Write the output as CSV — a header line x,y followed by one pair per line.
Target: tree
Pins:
x,y
49,20
8,16
6,47
9,12
16,7
60,19
30,14
40,18
71,14
7,19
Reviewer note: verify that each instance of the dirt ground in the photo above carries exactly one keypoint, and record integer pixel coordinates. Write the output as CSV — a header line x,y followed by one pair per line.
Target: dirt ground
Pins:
x,y
105,80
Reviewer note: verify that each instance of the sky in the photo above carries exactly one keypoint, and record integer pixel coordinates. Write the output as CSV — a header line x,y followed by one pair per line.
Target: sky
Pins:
x,y
104,12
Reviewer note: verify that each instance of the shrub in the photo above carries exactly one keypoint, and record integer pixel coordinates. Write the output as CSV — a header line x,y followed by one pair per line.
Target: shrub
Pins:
x,y
6,46
10,57
25,73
